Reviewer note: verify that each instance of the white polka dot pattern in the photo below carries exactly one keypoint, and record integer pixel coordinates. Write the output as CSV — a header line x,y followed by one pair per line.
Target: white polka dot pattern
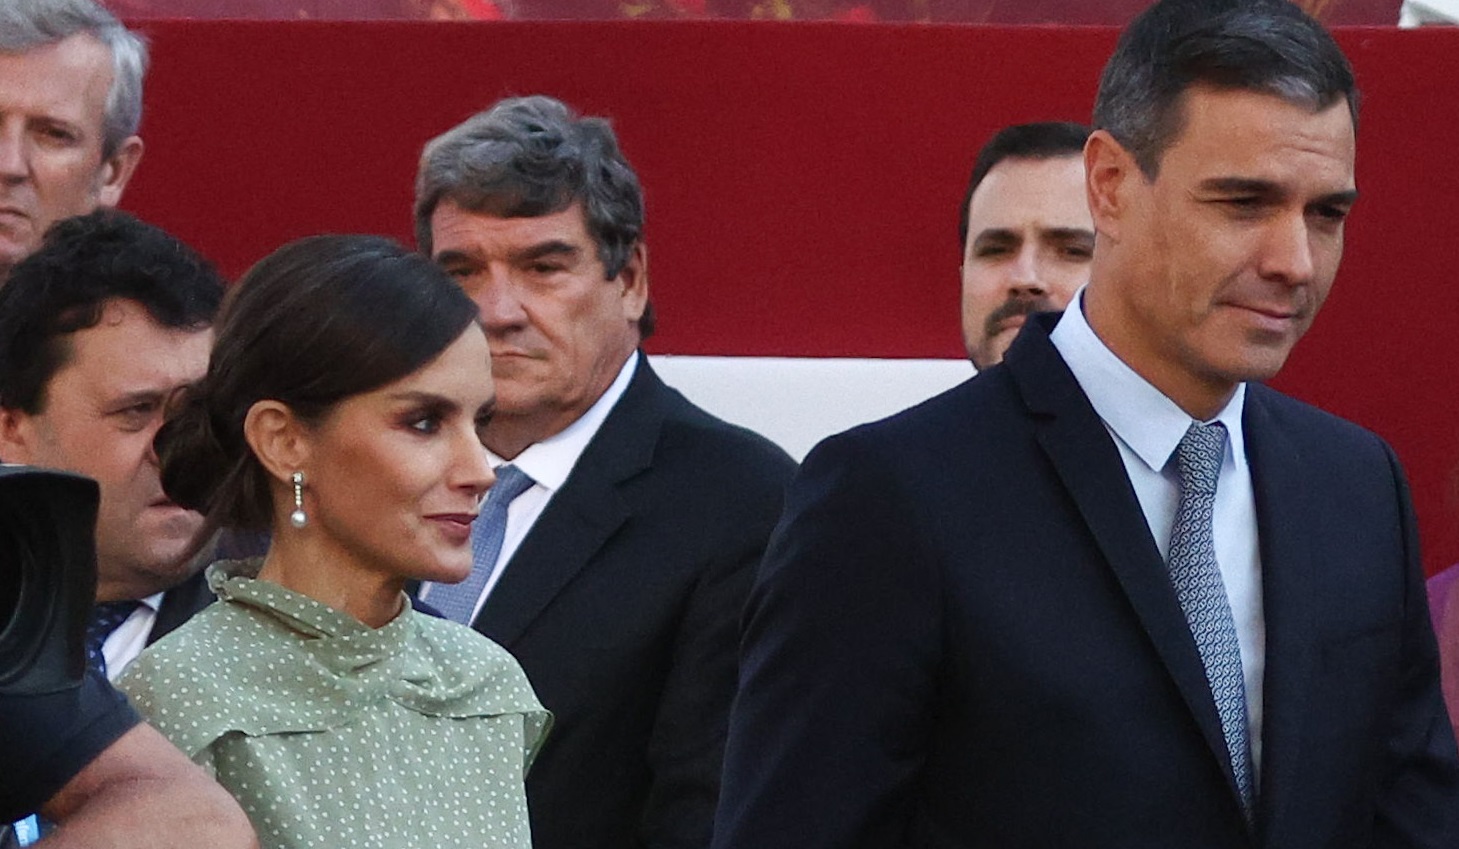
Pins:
x,y
333,734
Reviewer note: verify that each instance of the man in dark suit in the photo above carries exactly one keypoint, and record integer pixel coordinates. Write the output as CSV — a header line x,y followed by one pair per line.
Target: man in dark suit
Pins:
x,y
615,550
98,329
1114,592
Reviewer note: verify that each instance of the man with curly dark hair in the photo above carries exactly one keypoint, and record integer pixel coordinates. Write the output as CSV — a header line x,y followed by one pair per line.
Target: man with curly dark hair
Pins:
x,y
98,328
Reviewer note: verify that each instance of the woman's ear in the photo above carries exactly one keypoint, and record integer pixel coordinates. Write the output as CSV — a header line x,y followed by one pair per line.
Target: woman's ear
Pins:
x,y
278,438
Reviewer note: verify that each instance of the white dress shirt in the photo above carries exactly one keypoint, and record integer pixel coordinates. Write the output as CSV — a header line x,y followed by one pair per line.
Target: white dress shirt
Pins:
x,y
1147,427
548,463
124,644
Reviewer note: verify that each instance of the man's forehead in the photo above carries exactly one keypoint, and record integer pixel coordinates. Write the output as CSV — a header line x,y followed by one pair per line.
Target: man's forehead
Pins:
x,y
1022,191
1258,136
451,221
128,350
68,79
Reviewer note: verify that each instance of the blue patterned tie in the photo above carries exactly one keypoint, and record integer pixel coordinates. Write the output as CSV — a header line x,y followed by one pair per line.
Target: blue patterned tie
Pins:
x,y
106,617
1202,594
458,601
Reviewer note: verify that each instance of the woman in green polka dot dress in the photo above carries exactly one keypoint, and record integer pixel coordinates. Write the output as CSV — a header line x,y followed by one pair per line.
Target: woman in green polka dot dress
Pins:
x,y
341,412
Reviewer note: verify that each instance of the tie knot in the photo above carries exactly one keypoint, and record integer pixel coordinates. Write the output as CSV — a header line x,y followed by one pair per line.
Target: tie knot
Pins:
x,y
510,483
1199,455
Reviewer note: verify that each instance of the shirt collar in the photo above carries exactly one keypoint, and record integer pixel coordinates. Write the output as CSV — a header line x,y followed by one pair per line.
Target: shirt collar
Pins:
x,y
549,462
1136,412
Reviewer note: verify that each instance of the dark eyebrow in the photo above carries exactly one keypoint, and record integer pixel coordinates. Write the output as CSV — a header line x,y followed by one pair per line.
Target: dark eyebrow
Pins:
x,y
1266,188
1240,186
141,396
1068,234
425,399
448,257
1347,198
995,234
551,247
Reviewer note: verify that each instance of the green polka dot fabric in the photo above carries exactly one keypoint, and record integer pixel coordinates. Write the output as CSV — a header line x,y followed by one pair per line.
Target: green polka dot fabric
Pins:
x,y
334,734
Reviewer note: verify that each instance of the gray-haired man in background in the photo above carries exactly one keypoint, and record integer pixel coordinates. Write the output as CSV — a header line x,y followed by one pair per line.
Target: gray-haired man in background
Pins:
x,y
614,553
70,104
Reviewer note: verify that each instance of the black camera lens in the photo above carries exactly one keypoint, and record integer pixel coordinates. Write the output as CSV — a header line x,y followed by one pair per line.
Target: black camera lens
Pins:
x,y
47,577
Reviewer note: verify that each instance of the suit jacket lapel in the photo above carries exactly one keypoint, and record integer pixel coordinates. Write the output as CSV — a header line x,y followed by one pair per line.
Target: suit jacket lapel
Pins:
x,y
582,515
179,604
1089,465
1288,575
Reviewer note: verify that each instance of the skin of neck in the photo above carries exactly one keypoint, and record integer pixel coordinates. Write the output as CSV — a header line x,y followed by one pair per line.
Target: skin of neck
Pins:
x,y
509,433
111,589
299,561
1200,399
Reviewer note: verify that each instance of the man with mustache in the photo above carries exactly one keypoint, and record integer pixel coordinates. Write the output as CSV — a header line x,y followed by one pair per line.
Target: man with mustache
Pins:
x,y
1025,233
70,105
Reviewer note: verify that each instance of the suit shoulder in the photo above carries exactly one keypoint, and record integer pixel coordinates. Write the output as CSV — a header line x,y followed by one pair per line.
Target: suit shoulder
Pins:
x,y
1315,427
718,446
969,413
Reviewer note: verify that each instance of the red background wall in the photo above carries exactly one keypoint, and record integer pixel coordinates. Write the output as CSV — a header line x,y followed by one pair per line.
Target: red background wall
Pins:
x,y
1112,12
803,180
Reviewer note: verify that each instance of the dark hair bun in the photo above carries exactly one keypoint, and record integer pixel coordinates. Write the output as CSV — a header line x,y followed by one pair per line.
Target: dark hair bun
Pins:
x,y
193,460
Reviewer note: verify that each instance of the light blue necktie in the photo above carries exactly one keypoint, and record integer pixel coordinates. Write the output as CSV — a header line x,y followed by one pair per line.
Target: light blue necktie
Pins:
x,y
458,601
1202,594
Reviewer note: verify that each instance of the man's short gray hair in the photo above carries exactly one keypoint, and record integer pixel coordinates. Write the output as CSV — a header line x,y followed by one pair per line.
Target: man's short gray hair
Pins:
x,y
1266,46
532,156
28,24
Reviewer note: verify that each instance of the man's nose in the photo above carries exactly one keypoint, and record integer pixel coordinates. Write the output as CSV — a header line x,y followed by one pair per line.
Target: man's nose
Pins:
x,y
500,304
1287,255
1025,275
13,156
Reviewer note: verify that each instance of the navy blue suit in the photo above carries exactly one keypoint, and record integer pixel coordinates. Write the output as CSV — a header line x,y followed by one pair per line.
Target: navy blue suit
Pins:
x,y
964,635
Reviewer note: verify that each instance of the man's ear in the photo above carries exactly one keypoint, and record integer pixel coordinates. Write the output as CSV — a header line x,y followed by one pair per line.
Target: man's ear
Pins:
x,y
634,282
17,437
1109,171
278,439
116,171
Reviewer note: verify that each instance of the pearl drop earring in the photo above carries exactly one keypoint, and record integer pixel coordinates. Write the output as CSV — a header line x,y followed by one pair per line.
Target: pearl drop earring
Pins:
x,y
297,518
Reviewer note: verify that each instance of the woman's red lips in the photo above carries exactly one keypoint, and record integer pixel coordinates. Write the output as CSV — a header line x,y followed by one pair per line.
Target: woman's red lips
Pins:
x,y
455,526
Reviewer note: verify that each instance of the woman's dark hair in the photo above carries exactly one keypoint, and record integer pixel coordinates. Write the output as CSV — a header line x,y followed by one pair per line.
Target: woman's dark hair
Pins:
x,y
312,324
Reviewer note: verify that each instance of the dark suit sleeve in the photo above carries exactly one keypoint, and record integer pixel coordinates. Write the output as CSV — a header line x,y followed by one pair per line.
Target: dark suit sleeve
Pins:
x,y
842,635
1418,802
686,746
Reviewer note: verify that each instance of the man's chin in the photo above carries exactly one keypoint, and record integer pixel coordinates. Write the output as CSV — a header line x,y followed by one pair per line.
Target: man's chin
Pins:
x,y
12,251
